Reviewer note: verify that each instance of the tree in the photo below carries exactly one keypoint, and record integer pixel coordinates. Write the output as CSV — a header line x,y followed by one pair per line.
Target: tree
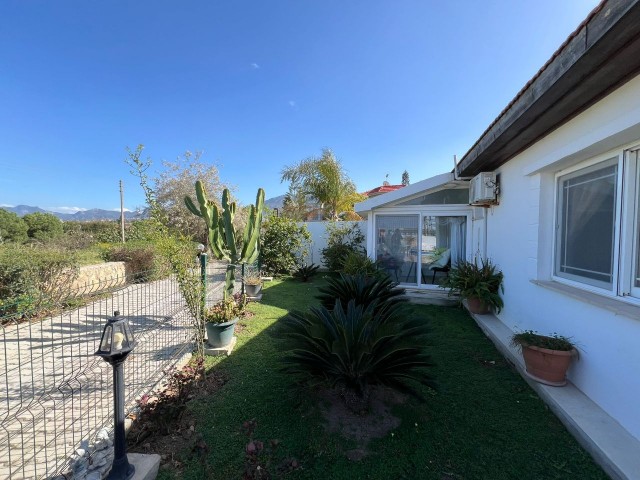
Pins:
x,y
405,178
294,205
176,182
12,227
323,180
43,226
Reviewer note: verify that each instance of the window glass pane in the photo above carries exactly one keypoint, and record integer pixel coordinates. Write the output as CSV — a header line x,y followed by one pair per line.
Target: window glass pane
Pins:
x,y
456,196
586,227
396,241
443,245
636,272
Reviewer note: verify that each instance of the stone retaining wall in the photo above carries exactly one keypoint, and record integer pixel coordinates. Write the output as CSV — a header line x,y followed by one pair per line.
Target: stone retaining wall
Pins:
x,y
100,277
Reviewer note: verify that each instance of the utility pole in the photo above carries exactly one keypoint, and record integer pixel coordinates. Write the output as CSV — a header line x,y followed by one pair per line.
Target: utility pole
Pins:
x,y
121,212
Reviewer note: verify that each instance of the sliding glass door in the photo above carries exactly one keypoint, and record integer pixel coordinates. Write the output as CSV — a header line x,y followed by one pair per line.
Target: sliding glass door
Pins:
x,y
419,249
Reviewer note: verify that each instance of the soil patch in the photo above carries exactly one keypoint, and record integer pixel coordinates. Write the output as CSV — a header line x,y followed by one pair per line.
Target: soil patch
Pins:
x,y
165,426
377,422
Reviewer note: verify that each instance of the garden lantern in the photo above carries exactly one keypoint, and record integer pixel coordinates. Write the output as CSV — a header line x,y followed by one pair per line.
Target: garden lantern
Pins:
x,y
115,345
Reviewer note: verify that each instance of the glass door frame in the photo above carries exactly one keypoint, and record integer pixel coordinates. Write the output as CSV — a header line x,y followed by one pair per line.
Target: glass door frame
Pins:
x,y
424,211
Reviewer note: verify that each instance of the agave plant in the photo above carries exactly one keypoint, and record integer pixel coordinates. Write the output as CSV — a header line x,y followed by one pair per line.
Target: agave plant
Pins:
x,y
363,290
305,272
355,348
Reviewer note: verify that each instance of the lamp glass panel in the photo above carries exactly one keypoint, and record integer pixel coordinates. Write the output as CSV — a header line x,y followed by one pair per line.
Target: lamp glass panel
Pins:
x,y
105,344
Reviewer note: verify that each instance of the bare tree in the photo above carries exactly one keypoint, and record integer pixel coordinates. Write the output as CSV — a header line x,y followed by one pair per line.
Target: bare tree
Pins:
x,y
176,181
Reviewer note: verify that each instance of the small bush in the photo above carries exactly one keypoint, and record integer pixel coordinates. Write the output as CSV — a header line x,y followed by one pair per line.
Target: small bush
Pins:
x,y
356,263
12,227
342,239
305,272
143,263
33,280
43,226
283,245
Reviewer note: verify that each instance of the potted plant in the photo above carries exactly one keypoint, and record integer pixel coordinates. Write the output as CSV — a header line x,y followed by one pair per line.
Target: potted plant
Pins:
x,y
480,285
546,357
221,320
252,279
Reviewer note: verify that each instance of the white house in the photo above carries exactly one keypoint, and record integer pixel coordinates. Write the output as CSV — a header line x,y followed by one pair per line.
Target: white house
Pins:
x,y
566,228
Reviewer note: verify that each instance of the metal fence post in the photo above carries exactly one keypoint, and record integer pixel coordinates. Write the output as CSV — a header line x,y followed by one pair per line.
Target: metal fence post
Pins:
x,y
203,281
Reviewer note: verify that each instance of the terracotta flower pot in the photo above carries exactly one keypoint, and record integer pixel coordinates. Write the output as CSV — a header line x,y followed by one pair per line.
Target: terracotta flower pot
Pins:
x,y
547,366
477,306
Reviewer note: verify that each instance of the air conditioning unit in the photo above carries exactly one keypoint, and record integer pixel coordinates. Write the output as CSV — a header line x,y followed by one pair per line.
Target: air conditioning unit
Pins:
x,y
483,189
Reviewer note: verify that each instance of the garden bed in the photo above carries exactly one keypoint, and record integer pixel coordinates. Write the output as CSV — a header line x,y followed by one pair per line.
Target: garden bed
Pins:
x,y
483,422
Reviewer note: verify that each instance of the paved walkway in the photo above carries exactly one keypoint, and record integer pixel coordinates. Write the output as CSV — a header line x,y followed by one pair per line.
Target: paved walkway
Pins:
x,y
57,394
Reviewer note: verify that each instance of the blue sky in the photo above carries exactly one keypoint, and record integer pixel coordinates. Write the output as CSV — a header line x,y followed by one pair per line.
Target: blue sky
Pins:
x,y
388,85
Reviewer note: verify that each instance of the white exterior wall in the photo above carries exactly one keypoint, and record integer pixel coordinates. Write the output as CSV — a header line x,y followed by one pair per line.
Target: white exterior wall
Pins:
x,y
520,240
318,231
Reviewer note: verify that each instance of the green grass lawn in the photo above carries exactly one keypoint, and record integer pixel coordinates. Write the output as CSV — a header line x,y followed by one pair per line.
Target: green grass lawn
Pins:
x,y
484,422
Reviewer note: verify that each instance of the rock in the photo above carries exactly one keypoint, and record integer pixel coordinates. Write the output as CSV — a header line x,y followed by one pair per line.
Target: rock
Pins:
x,y
94,476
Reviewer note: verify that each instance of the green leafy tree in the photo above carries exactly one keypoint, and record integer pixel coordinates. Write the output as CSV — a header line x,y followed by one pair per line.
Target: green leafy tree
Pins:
x,y
12,227
283,245
324,180
43,226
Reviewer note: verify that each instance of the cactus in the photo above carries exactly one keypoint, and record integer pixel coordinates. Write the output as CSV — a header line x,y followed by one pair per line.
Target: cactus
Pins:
x,y
222,234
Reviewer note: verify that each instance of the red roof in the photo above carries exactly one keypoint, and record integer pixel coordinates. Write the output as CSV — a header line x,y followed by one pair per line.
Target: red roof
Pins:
x,y
381,189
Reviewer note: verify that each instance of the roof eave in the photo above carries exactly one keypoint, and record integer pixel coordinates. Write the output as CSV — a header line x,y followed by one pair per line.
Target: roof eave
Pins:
x,y
600,56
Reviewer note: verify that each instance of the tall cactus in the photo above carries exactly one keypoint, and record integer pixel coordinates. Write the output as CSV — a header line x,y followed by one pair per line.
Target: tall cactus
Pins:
x,y
222,234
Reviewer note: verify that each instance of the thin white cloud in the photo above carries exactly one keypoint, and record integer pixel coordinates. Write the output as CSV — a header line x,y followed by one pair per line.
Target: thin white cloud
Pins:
x,y
292,103
255,66
6,205
65,209
118,209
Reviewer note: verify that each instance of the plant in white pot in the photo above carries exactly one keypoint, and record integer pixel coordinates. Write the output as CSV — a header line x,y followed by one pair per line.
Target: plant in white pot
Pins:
x,y
546,357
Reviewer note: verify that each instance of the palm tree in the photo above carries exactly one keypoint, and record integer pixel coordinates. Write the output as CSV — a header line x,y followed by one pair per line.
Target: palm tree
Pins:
x,y
323,180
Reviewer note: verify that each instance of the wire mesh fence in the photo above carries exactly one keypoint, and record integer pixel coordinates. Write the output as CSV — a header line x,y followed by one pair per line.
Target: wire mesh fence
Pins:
x,y
57,394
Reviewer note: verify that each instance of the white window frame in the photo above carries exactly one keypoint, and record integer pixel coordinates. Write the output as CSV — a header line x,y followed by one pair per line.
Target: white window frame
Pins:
x,y
625,244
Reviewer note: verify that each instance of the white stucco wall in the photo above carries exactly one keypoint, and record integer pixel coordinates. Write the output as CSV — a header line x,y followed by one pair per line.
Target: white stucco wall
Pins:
x,y
519,239
318,231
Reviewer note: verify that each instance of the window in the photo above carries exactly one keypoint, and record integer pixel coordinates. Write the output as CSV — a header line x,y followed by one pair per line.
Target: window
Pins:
x,y
586,224
597,239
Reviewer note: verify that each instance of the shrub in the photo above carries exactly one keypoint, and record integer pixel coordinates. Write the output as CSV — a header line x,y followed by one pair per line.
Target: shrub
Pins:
x,y
342,239
355,348
382,293
305,272
356,263
12,227
143,263
43,226
283,245
471,280
33,280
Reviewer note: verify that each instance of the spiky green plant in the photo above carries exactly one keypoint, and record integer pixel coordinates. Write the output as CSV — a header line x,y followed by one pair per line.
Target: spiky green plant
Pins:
x,y
363,290
354,347
222,233
484,281
305,272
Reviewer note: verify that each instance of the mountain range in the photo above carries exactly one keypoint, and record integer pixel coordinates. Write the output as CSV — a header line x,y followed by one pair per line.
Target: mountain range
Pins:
x,y
97,214
81,216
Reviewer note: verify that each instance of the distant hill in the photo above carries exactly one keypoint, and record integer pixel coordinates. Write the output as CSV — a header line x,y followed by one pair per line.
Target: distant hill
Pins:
x,y
82,216
275,202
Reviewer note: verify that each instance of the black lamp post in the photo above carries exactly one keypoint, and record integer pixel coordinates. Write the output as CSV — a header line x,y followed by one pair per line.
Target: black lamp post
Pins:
x,y
115,345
